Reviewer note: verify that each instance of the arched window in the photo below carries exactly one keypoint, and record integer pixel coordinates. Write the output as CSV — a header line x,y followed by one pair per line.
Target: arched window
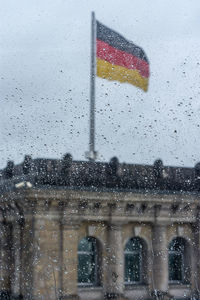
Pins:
x,y
88,262
178,261
133,261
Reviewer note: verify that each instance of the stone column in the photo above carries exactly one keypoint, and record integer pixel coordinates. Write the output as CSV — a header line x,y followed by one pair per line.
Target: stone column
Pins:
x,y
28,253
69,261
160,259
195,258
46,262
4,262
16,276
114,264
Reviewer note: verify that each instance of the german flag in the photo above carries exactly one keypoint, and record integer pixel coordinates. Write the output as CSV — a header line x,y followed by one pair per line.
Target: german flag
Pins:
x,y
119,59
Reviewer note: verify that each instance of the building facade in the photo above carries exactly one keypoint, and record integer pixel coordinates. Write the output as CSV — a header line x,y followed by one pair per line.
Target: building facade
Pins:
x,y
85,230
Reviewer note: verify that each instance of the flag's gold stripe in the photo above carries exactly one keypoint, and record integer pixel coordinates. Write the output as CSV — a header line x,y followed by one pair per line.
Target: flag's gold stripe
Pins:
x,y
118,73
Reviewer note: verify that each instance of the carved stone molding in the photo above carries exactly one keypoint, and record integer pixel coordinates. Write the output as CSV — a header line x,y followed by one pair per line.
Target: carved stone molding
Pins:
x,y
180,230
137,230
69,297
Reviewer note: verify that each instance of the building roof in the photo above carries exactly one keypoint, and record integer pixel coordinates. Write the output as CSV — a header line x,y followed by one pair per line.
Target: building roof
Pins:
x,y
65,172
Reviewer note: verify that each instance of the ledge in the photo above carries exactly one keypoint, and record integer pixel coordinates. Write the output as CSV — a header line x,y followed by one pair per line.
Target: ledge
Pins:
x,y
133,286
179,286
87,288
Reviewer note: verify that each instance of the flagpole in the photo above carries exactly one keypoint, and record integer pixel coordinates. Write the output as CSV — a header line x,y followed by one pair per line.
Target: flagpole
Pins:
x,y
91,155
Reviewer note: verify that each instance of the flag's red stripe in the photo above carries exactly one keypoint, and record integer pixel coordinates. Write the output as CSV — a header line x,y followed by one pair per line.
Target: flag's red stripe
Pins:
x,y
121,58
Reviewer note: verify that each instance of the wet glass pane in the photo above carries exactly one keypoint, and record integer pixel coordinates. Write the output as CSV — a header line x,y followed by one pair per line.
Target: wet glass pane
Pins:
x,y
87,245
132,267
175,267
177,245
84,245
133,244
86,268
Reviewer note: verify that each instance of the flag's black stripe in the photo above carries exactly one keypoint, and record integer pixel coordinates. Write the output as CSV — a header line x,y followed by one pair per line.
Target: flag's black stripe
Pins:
x,y
116,40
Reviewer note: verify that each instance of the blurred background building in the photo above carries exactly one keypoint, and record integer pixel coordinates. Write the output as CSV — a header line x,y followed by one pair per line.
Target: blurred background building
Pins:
x,y
90,230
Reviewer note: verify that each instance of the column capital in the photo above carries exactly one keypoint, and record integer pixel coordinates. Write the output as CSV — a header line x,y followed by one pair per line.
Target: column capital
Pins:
x,y
116,225
161,223
70,224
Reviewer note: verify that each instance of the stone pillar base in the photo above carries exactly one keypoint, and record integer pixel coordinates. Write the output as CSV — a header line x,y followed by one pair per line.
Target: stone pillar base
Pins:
x,y
16,297
69,297
113,296
160,295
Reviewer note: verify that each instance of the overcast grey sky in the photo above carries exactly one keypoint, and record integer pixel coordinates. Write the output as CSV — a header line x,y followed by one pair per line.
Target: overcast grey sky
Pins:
x,y
44,81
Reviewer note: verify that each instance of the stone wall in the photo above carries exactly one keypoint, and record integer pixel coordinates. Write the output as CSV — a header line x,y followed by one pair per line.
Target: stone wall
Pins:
x,y
45,264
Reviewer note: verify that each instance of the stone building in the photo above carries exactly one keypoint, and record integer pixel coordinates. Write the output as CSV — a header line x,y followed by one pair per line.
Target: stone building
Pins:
x,y
84,230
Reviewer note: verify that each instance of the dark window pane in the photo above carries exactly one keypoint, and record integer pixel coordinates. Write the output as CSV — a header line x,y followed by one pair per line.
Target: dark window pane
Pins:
x,y
176,245
133,244
86,268
175,267
176,259
87,257
132,267
86,245
133,260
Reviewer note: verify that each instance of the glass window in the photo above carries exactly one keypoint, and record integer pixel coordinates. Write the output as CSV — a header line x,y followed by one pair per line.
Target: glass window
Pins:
x,y
176,260
133,261
87,262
